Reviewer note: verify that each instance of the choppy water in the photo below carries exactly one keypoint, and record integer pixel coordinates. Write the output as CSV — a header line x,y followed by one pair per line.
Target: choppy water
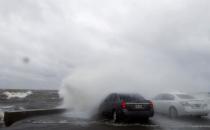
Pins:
x,y
14,100
11,99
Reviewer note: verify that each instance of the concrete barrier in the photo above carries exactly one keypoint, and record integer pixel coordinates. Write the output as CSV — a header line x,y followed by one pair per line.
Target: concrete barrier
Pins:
x,y
12,116
1,116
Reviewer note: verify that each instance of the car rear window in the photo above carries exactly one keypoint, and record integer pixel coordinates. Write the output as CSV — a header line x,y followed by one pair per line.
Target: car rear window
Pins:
x,y
131,98
185,96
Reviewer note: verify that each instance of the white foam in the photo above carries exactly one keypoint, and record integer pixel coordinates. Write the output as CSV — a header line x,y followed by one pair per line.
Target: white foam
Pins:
x,y
6,107
17,94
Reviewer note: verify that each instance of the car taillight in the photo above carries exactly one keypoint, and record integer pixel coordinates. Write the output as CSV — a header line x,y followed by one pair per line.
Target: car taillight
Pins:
x,y
123,104
184,103
150,104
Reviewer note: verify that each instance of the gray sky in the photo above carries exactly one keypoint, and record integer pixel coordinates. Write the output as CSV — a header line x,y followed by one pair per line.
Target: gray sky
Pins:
x,y
163,43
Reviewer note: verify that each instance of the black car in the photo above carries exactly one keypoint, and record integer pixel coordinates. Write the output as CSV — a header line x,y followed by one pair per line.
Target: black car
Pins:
x,y
121,106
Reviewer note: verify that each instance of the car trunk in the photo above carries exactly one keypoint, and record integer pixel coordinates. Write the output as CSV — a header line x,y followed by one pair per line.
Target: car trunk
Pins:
x,y
135,103
138,106
196,103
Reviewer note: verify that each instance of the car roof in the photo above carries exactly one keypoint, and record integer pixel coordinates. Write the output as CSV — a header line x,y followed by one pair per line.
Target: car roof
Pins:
x,y
174,93
127,93
202,93
124,94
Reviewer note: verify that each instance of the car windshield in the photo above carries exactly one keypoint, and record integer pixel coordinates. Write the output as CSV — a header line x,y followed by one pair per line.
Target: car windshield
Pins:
x,y
131,98
185,96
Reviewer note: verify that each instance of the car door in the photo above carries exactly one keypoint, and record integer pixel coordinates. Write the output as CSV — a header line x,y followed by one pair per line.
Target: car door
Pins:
x,y
167,101
157,103
104,108
110,103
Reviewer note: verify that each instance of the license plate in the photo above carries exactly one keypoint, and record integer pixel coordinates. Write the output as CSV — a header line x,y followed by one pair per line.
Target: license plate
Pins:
x,y
195,106
138,106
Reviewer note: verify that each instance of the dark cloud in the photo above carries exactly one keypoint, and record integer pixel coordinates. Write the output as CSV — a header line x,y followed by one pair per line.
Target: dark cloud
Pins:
x,y
162,42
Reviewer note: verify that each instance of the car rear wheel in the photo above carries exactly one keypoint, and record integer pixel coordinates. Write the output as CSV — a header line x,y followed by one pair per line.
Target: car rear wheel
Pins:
x,y
200,116
115,117
173,112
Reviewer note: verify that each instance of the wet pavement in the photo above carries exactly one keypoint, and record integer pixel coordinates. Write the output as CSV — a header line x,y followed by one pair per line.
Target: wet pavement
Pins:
x,y
48,99
158,122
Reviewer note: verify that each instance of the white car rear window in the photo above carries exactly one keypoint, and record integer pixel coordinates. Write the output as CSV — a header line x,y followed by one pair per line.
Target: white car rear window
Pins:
x,y
185,96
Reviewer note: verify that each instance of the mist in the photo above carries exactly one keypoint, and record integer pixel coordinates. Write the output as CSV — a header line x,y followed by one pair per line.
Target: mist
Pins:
x,y
88,49
150,50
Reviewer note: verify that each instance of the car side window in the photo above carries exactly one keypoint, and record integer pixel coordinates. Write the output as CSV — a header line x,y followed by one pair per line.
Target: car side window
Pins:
x,y
171,97
110,98
113,98
158,97
107,100
168,97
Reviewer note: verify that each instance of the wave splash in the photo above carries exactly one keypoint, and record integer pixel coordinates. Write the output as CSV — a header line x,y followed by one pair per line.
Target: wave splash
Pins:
x,y
17,94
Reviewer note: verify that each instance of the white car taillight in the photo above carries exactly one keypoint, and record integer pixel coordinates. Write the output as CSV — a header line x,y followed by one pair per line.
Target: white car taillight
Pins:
x,y
184,103
205,105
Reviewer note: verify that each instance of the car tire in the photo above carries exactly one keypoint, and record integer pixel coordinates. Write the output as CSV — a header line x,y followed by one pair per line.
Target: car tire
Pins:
x,y
173,112
115,117
198,116
145,119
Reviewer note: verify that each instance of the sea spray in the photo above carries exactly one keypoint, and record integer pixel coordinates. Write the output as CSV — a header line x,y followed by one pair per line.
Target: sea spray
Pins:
x,y
87,86
17,94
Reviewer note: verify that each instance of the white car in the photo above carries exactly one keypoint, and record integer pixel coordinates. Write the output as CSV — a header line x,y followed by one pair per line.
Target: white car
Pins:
x,y
179,104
